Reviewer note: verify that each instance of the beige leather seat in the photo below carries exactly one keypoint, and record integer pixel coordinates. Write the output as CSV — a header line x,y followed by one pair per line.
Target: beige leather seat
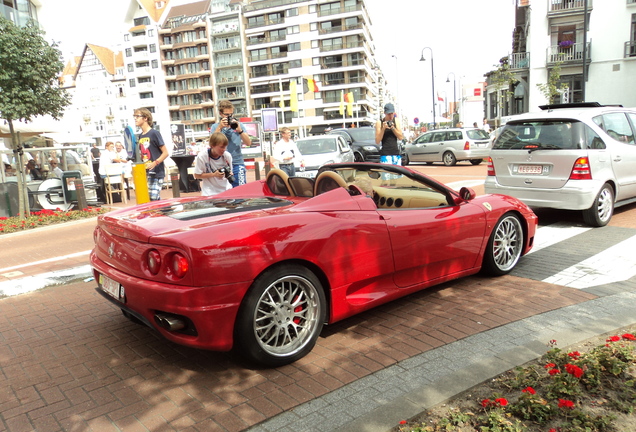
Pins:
x,y
327,181
278,182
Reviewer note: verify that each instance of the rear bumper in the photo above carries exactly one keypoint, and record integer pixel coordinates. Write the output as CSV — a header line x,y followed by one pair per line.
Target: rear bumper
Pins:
x,y
574,195
472,154
211,310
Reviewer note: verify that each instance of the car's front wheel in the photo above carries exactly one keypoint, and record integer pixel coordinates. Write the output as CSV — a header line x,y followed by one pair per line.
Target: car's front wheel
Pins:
x,y
358,157
405,160
281,316
504,246
601,211
449,159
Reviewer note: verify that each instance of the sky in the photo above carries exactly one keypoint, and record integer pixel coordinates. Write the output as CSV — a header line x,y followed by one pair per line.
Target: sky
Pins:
x,y
467,39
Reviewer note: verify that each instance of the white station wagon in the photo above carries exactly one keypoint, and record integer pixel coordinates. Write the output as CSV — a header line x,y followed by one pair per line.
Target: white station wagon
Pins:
x,y
569,156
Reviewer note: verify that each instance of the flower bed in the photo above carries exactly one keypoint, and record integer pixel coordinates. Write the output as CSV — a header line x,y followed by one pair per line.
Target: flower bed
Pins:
x,y
46,217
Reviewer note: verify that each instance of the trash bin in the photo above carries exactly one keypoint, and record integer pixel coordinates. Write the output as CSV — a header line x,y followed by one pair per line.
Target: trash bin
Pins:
x,y
68,185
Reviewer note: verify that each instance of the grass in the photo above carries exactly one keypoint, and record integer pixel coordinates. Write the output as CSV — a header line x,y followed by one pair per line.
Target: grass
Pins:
x,y
46,217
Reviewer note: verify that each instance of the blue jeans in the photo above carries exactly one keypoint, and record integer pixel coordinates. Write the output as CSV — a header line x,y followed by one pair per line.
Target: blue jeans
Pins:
x,y
288,168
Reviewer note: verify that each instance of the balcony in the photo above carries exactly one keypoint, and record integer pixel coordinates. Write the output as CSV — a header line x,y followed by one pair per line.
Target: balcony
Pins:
x,y
339,29
569,54
630,48
262,40
339,64
334,11
519,60
267,22
567,7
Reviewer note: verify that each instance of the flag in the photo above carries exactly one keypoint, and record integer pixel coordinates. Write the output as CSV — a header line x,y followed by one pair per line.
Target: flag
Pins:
x,y
341,110
349,99
439,98
309,85
293,97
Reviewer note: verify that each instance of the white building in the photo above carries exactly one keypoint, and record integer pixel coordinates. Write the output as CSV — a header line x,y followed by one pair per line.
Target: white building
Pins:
x,y
550,33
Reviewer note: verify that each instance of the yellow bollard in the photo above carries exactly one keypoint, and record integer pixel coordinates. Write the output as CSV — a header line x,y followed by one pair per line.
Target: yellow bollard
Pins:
x,y
141,184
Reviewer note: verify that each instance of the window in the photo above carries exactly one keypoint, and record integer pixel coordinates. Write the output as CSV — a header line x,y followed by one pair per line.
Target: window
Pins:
x,y
131,67
153,48
128,52
155,64
131,82
295,63
291,12
145,95
293,29
293,46
144,80
617,126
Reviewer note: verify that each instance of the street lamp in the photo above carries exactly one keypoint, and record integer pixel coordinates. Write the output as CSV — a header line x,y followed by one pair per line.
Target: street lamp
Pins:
x,y
454,94
397,89
432,80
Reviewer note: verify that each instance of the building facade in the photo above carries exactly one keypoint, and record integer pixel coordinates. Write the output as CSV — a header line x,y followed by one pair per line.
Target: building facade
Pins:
x,y
589,47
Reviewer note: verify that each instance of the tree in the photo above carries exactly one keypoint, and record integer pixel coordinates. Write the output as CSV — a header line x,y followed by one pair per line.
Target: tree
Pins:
x,y
503,80
30,69
552,89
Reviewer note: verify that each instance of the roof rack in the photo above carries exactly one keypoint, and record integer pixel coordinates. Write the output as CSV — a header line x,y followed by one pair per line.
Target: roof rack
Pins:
x,y
575,105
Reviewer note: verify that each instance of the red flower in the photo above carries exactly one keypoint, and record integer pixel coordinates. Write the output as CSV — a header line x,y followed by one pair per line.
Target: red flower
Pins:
x,y
554,371
501,401
529,390
485,402
403,421
549,365
613,339
574,355
629,336
564,403
574,370
552,430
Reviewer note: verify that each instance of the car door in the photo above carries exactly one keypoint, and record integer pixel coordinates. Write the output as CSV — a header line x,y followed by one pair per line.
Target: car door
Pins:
x,y
431,243
345,152
416,151
437,146
622,148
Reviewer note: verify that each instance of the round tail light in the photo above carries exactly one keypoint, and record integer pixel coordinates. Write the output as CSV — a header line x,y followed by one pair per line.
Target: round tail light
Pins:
x,y
180,265
154,261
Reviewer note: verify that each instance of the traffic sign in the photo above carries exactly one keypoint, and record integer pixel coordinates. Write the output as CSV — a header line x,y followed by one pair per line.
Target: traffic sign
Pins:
x,y
416,120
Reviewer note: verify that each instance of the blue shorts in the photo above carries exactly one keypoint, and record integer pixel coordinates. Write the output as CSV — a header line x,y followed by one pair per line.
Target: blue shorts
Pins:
x,y
240,175
391,159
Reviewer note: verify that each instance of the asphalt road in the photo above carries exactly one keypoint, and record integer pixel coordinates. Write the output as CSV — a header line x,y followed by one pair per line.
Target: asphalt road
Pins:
x,y
70,361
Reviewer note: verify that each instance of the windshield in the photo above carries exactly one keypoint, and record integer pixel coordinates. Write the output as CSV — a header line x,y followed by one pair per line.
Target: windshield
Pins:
x,y
541,134
312,147
477,134
362,134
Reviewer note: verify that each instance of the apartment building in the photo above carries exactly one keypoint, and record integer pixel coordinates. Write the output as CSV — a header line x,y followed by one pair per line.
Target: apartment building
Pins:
x,y
592,42
327,41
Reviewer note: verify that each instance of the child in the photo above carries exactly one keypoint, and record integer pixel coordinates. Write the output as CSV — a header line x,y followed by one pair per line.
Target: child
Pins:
x,y
150,140
209,162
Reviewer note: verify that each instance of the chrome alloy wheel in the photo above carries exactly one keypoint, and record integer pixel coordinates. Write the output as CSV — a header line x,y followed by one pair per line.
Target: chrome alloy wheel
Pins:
x,y
508,243
286,315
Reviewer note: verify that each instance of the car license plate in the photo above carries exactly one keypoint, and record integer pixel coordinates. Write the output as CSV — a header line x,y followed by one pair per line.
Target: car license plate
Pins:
x,y
309,174
110,286
530,169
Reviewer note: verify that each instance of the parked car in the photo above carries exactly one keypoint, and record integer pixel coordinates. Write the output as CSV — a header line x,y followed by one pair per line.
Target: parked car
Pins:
x,y
572,157
362,141
320,150
449,146
260,268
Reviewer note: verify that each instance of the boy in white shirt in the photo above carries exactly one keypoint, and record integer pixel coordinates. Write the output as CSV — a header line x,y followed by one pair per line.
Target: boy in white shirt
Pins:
x,y
210,163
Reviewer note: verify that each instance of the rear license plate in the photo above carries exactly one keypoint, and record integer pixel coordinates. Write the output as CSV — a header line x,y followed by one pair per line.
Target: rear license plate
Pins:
x,y
530,169
309,174
110,286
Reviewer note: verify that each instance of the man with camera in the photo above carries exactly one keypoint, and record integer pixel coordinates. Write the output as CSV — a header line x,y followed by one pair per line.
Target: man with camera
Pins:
x,y
214,166
388,132
236,137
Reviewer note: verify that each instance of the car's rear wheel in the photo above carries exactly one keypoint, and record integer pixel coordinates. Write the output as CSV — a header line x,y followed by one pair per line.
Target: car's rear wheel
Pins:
x,y
504,246
405,160
449,159
281,316
476,161
601,211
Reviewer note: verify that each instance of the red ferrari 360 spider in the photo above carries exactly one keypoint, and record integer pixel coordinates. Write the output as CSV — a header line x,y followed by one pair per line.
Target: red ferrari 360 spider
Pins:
x,y
262,267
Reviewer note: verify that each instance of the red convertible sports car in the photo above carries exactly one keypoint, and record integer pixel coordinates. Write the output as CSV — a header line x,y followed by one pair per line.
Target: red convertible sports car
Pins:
x,y
262,267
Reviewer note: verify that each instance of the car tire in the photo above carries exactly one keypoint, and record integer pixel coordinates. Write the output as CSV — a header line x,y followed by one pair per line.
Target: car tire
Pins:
x,y
449,159
281,316
476,161
505,246
358,157
405,160
602,210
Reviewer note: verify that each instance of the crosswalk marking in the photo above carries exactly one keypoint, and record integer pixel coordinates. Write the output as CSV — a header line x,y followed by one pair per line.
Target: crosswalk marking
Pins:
x,y
555,233
614,264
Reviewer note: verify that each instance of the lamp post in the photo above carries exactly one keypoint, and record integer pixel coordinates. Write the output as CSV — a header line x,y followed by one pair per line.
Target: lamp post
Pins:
x,y
432,80
397,88
454,94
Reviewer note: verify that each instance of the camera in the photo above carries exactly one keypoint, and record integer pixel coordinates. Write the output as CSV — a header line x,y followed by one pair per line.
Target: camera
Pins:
x,y
227,173
390,124
232,122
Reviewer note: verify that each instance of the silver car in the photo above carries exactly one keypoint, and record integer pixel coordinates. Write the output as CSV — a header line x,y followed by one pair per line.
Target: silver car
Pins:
x,y
571,158
320,150
449,146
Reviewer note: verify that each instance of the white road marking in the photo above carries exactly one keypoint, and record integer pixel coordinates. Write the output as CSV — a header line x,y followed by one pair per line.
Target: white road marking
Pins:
x,y
457,185
614,264
552,234
48,260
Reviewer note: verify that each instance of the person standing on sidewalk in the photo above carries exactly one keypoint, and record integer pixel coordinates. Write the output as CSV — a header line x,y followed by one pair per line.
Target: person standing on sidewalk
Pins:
x,y
388,132
286,152
152,141
236,137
